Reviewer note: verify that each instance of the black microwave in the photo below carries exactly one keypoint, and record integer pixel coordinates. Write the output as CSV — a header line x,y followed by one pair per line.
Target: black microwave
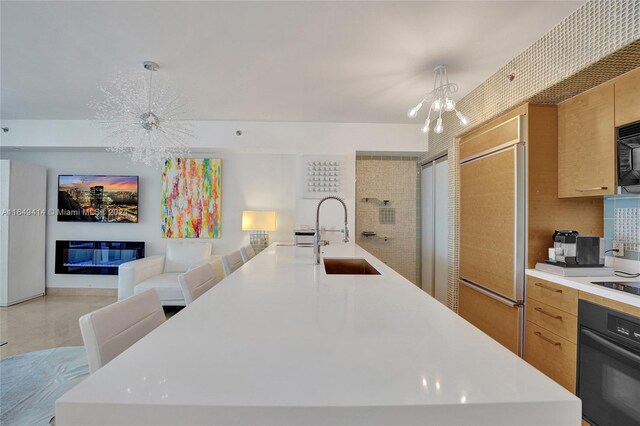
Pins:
x,y
628,153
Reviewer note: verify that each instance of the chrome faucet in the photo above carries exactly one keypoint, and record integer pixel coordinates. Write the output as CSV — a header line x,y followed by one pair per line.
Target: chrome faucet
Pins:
x,y
318,242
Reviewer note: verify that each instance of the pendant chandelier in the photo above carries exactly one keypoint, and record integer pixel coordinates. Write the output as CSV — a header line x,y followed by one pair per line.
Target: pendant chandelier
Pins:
x,y
441,100
143,121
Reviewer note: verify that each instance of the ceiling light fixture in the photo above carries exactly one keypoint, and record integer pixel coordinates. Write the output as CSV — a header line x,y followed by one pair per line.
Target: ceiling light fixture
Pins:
x,y
441,98
141,120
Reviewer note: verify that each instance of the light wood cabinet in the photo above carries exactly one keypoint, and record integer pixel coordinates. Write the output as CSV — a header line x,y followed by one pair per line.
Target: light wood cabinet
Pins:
x,y
552,355
488,253
586,144
556,295
551,331
611,304
506,132
586,136
500,321
546,316
627,98
551,327
487,215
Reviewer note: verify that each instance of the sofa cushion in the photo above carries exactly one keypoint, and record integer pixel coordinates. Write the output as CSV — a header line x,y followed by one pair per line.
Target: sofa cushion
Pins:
x,y
180,256
166,285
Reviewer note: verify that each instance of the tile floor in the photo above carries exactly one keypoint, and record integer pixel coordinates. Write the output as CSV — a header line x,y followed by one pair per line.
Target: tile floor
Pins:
x,y
45,322
49,322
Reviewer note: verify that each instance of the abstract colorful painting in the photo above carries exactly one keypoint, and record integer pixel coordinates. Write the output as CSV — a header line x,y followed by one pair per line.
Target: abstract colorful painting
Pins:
x,y
191,198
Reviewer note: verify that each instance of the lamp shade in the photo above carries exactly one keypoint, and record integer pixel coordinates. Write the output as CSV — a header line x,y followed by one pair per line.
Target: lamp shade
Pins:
x,y
258,221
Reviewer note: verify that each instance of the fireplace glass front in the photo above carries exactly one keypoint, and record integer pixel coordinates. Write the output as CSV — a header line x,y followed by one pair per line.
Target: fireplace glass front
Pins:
x,y
95,257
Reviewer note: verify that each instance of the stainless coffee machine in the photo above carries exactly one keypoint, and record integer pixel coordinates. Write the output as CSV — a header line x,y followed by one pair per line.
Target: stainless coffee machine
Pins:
x,y
572,250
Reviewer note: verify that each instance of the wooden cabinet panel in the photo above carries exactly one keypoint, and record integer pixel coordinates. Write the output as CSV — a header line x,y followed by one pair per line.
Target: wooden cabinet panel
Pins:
x,y
627,98
552,294
552,319
508,131
551,354
610,303
498,320
586,144
487,221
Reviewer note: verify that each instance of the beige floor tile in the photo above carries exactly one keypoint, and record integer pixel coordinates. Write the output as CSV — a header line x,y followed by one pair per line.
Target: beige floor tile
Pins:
x,y
45,322
49,322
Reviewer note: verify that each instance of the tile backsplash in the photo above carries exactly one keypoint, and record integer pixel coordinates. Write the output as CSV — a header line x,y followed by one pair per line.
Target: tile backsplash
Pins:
x,y
622,224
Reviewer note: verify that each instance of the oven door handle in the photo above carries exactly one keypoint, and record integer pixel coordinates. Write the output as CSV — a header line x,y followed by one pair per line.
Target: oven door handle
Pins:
x,y
611,346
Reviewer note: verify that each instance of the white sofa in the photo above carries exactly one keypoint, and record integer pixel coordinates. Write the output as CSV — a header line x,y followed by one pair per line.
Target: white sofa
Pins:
x,y
160,272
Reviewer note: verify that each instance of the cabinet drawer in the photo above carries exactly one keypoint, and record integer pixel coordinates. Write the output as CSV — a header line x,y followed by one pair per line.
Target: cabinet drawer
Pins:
x,y
552,319
551,354
552,294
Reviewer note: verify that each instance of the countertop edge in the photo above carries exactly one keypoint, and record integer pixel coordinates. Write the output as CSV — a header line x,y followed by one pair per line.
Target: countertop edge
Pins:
x,y
582,284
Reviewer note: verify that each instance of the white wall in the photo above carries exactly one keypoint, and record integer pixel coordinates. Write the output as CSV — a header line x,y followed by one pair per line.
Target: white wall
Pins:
x,y
249,182
259,172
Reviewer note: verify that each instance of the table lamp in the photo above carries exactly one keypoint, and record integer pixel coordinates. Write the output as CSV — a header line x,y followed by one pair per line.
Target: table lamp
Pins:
x,y
258,224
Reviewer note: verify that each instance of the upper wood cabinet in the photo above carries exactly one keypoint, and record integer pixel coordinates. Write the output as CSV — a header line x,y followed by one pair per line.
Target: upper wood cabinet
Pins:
x,y
586,144
627,98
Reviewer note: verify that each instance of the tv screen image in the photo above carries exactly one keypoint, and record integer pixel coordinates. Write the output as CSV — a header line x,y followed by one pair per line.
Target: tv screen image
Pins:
x,y
98,198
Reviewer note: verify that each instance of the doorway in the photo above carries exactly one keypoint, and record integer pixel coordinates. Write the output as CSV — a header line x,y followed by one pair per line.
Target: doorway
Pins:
x,y
435,227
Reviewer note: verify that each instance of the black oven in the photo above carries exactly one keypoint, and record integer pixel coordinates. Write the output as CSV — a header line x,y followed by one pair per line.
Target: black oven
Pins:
x,y
608,366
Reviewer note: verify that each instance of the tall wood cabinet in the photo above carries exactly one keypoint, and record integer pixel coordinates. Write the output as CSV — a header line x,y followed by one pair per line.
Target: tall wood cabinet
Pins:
x,y
488,256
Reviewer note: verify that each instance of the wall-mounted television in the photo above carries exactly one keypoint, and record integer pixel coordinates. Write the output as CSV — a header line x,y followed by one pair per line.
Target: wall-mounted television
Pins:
x,y
98,198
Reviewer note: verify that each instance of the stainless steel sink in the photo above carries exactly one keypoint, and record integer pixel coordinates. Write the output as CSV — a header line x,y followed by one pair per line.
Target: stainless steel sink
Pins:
x,y
348,266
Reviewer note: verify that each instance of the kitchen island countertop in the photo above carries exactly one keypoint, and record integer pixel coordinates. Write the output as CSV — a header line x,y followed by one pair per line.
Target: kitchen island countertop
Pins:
x,y
281,342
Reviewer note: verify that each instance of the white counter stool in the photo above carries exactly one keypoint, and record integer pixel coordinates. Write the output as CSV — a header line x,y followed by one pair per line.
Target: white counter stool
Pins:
x,y
247,253
109,331
232,262
197,281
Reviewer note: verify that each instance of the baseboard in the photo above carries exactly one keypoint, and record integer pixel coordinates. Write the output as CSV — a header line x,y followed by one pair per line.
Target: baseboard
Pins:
x,y
73,291
26,299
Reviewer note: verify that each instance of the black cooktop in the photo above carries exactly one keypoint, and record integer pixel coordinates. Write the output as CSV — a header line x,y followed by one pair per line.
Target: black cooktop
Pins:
x,y
632,287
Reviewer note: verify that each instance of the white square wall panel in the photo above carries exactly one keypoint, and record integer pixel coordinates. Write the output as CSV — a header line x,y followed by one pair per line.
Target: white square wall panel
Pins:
x,y
323,175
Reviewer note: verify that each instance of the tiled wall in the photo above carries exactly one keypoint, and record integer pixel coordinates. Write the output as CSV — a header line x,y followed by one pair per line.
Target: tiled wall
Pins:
x,y
394,179
622,224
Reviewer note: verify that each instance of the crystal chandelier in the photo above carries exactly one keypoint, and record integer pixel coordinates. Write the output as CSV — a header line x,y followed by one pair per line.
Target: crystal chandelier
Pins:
x,y
441,100
143,121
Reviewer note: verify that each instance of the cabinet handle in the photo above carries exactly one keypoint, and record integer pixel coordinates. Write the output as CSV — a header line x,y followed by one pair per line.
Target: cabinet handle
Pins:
x,y
542,311
555,290
543,337
597,188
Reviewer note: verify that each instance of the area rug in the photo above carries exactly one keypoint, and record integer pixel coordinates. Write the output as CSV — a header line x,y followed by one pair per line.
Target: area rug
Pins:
x,y
31,383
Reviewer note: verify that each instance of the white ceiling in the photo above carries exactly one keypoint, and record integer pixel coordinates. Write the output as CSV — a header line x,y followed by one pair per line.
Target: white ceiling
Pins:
x,y
272,61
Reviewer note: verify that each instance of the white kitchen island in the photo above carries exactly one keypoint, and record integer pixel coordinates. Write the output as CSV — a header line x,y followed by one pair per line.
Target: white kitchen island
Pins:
x,y
281,342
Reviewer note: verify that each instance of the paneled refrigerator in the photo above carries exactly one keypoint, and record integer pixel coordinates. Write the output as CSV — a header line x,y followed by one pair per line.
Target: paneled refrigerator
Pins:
x,y
492,231
509,208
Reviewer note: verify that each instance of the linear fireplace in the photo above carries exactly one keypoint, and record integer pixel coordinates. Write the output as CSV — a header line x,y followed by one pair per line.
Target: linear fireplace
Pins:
x,y
95,257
